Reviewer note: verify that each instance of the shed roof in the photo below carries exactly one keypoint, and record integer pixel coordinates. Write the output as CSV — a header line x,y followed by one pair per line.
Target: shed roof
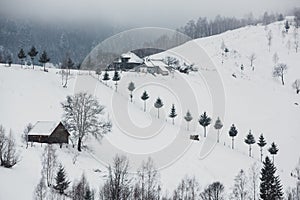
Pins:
x,y
43,128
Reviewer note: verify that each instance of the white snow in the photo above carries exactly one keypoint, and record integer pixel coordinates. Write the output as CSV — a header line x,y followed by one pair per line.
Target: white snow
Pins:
x,y
253,100
43,128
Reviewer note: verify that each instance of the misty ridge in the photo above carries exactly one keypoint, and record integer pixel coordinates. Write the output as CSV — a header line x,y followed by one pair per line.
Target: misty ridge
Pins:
x,y
62,41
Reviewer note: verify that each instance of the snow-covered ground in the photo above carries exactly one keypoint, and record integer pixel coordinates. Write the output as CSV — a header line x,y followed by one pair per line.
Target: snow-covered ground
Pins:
x,y
253,100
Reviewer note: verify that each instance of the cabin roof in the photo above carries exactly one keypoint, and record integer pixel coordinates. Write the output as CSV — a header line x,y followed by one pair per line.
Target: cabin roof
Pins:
x,y
44,128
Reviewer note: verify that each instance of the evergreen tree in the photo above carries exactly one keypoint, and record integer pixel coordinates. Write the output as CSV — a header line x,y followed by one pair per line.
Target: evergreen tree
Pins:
x,y
204,121
131,87
249,140
32,53
287,26
9,60
116,78
273,150
270,186
61,180
261,143
21,56
144,97
106,77
218,125
188,117
158,104
88,194
173,113
44,59
232,133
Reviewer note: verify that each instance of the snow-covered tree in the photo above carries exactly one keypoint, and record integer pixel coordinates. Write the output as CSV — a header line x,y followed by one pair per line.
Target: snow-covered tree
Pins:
x,y
287,26
171,61
270,186
296,40
21,56
44,59
214,191
261,143
61,180
249,140
8,152
204,121
240,188
296,85
144,97
275,58
279,71
40,192
116,78
173,113
158,104
106,77
218,125
188,188
131,88
26,131
252,58
49,163
253,181
81,117
32,53
188,117
232,133
273,150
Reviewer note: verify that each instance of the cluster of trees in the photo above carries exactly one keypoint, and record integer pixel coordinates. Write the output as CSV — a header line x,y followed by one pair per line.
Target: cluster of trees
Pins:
x,y
204,27
120,184
32,53
9,156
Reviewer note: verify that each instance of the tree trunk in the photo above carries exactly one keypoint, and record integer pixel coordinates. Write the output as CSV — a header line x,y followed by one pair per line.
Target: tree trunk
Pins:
x,y
173,121
261,154
218,139
144,106
232,143
282,80
298,90
44,67
204,131
249,150
131,96
32,63
188,126
79,144
158,113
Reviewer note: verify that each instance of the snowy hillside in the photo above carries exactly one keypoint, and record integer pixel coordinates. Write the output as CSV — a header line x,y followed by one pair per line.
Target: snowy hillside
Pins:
x,y
253,99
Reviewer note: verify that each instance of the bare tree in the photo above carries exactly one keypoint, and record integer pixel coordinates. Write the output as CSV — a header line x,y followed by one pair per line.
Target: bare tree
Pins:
x,y
213,191
252,58
188,189
26,131
40,192
3,143
10,157
171,61
240,186
254,173
148,181
269,39
117,185
82,117
288,46
296,85
49,163
279,71
296,40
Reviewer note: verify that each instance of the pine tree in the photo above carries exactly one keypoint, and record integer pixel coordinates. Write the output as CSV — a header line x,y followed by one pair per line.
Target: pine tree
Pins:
x,y
261,143
273,150
249,140
144,97
232,133
88,194
131,87
116,78
61,180
158,104
21,56
270,186
287,26
218,125
204,121
188,117
44,59
106,77
173,113
32,53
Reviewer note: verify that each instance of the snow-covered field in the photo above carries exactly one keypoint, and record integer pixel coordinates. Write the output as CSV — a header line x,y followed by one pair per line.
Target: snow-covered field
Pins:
x,y
253,100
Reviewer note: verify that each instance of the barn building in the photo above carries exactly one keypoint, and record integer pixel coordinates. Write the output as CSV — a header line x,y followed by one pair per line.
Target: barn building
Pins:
x,y
49,132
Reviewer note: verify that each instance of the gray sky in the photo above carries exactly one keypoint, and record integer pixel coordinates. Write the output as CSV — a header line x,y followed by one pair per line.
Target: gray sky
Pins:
x,y
168,13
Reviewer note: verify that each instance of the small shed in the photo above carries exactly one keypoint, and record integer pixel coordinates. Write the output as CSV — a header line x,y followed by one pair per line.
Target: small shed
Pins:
x,y
49,132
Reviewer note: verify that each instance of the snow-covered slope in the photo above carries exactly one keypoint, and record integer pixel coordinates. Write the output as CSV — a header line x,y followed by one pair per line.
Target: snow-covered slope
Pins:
x,y
253,100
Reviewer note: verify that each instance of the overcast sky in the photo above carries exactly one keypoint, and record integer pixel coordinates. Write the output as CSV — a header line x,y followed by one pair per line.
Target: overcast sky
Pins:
x,y
168,13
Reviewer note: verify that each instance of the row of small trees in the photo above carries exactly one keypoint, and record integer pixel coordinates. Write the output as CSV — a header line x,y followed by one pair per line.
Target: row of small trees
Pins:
x,y
32,53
